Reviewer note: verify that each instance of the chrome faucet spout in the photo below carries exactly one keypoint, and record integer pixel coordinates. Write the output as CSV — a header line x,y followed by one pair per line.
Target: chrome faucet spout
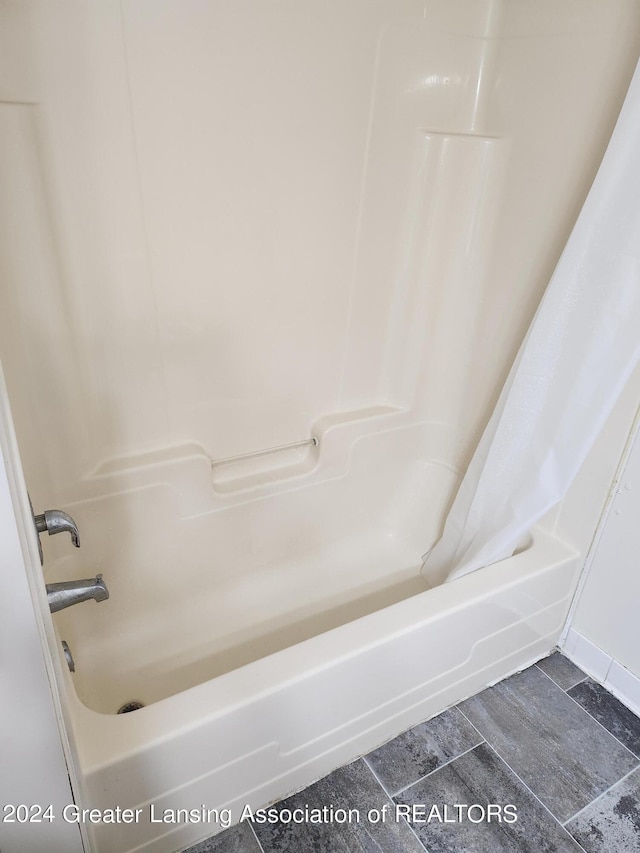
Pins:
x,y
66,593
54,521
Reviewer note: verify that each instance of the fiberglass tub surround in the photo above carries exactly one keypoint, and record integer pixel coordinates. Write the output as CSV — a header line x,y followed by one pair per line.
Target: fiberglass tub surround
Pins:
x,y
330,254
321,229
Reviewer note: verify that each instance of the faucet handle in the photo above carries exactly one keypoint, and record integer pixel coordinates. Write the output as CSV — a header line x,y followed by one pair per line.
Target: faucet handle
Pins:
x,y
54,521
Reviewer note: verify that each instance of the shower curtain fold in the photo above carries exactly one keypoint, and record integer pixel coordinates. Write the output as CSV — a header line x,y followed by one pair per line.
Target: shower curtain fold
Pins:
x,y
581,348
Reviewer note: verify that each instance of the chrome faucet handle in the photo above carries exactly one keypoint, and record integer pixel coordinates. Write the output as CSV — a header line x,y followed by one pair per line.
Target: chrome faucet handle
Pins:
x,y
54,521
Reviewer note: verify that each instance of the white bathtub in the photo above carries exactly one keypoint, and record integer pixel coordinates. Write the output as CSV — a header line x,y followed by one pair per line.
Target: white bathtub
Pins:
x,y
278,631
275,725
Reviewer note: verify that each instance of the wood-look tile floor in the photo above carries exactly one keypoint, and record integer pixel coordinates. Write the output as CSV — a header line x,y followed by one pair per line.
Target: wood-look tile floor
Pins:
x,y
555,756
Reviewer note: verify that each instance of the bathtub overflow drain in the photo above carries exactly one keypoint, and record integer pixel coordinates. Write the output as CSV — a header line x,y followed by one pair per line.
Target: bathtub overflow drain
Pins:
x,y
130,706
68,656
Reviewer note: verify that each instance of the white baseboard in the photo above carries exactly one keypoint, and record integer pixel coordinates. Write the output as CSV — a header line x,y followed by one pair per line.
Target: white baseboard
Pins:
x,y
603,668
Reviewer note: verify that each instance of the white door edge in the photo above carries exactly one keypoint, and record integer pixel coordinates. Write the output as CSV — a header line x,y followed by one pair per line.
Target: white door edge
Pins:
x,y
37,763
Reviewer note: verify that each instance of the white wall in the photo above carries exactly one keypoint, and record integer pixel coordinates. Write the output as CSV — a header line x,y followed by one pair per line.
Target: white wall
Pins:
x,y
606,614
213,251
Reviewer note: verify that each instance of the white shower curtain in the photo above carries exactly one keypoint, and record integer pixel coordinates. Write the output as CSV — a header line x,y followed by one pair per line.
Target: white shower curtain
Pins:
x,y
579,351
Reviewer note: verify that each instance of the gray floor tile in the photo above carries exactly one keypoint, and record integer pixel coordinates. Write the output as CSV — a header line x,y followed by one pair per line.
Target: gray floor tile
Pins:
x,y
237,839
351,787
555,747
479,778
609,712
413,754
612,823
561,670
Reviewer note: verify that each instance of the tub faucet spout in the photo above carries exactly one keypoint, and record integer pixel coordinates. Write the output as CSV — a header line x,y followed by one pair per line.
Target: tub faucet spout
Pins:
x,y
61,595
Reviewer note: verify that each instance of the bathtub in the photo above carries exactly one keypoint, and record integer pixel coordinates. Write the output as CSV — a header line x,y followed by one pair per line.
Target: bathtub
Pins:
x,y
265,666
271,727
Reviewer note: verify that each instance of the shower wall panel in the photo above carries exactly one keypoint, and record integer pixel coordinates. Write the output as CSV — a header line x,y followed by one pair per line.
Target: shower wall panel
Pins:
x,y
271,220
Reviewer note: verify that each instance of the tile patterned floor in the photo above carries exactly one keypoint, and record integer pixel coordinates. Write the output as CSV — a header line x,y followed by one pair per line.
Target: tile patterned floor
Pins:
x,y
549,742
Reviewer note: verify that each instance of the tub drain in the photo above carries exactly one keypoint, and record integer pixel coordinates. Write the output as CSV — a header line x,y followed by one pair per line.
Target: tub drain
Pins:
x,y
134,705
